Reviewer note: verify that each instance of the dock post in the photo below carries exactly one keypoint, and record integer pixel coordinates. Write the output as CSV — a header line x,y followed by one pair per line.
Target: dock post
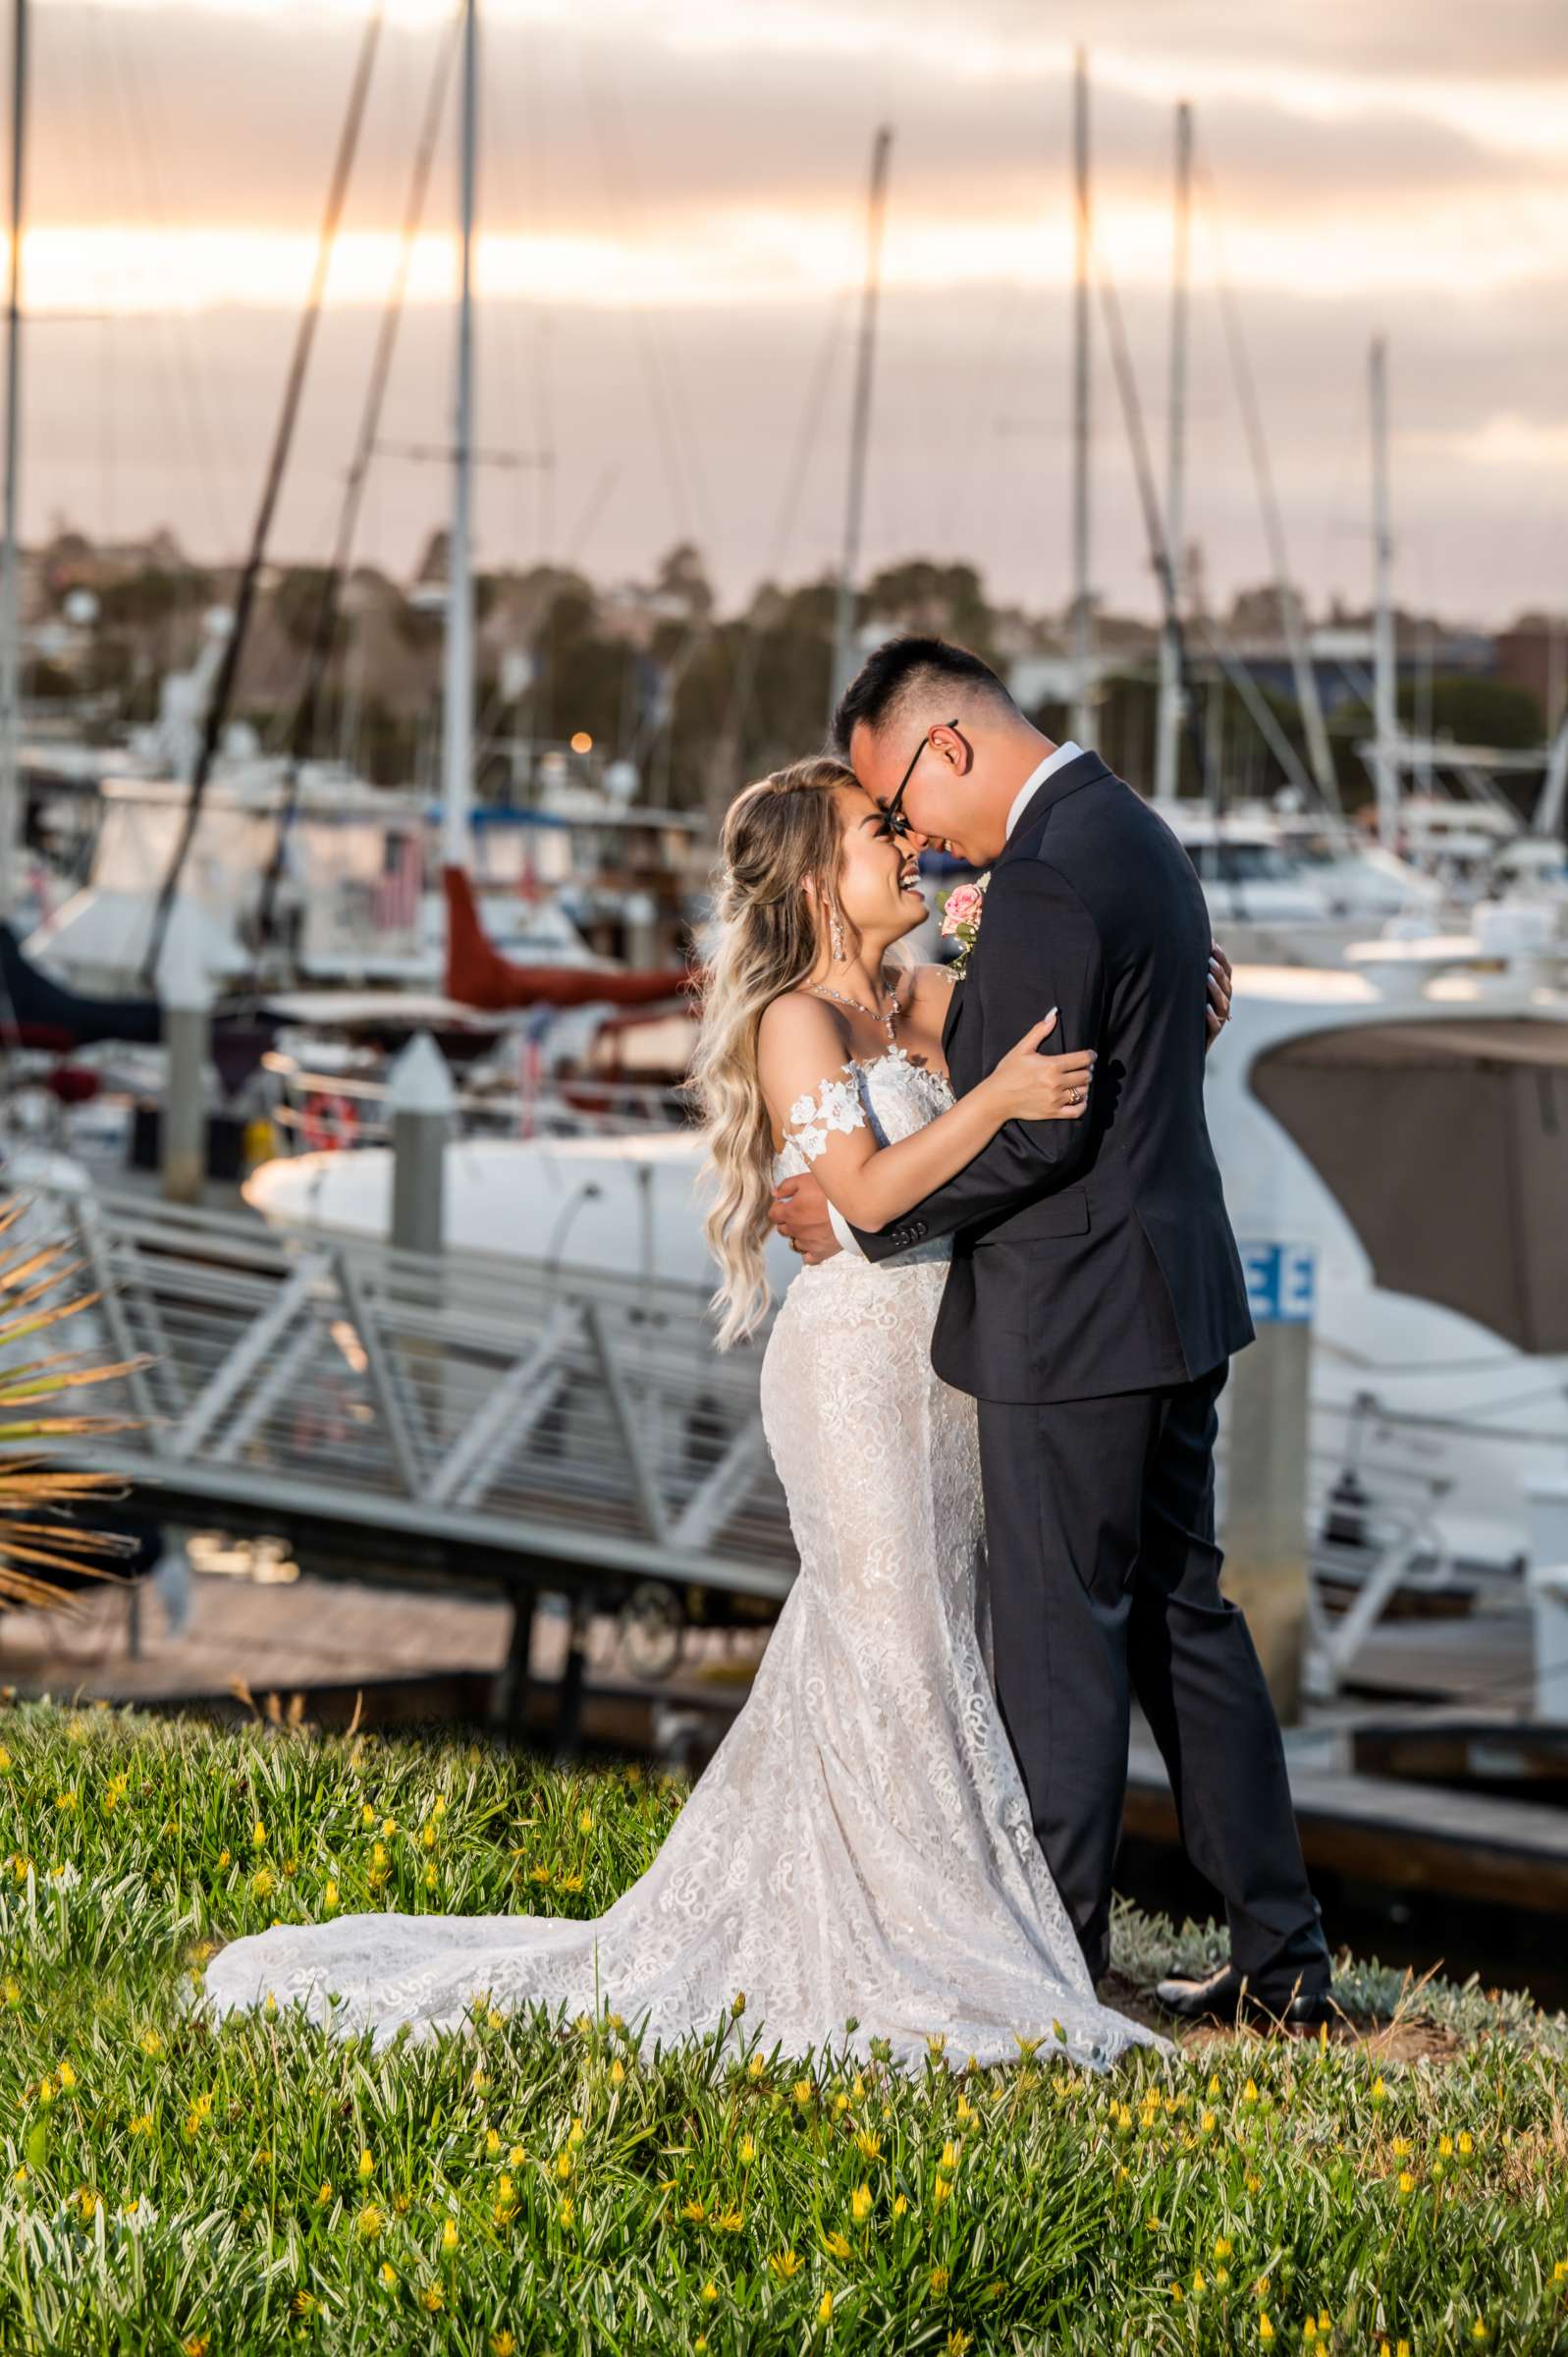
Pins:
x,y
421,1102
1265,1418
1547,1581
508,1696
186,991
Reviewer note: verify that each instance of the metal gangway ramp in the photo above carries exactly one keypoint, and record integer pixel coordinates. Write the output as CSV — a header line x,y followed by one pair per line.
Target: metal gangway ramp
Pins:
x,y
463,1415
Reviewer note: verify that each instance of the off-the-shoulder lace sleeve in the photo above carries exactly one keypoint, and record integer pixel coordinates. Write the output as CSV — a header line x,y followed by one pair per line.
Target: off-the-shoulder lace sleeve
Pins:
x,y
837,1106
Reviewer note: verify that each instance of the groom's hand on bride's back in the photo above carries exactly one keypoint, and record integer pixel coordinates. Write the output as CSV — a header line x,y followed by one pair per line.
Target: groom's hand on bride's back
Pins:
x,y
799,1212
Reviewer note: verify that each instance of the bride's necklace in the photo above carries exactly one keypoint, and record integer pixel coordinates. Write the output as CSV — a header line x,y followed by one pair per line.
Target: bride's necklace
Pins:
x,y
887,1018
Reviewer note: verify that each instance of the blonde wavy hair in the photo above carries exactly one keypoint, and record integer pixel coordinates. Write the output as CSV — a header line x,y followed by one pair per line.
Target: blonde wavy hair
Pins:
x,y
779,836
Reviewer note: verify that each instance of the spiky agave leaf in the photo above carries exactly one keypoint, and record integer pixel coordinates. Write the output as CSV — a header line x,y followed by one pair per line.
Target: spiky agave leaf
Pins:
x,y
29,1483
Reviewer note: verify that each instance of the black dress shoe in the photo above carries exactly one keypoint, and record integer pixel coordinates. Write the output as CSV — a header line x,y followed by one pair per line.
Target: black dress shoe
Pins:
x,y
1225,1996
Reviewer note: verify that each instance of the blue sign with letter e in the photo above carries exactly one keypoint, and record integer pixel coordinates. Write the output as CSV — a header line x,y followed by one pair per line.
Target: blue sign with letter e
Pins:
x,y
1281,1283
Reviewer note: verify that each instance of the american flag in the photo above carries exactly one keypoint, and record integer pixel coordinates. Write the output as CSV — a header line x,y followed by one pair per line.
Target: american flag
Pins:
x,y
395,895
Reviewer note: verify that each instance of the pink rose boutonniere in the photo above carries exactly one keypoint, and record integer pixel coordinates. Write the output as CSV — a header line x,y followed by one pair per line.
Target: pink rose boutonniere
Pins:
x,y
961,912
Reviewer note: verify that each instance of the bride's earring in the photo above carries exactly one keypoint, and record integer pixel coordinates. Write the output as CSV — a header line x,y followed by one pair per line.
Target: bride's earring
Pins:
x,y
836,937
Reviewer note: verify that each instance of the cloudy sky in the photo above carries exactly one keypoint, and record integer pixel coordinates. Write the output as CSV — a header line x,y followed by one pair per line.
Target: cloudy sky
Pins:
x,y
673,204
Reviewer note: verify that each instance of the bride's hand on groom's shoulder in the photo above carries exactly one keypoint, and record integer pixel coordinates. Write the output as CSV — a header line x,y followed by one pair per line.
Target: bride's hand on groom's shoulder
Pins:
x,y
799,1212
1220,986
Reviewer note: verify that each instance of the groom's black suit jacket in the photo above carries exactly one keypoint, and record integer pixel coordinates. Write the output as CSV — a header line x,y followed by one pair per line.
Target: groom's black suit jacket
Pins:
x,y
1090,1256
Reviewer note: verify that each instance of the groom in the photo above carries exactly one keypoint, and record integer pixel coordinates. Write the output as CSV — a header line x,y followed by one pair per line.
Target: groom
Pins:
x,y
1094,1300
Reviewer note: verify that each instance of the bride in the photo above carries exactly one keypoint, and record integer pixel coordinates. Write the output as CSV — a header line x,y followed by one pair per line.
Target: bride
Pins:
x,y
859,1858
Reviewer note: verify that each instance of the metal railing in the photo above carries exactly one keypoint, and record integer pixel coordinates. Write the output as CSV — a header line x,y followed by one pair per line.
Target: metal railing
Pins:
x,y
524,1416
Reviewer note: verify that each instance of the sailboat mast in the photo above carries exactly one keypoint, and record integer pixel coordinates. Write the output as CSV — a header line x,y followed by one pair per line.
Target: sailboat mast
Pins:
x,y
1167,750
843,634
1385,716
1082,728
10,588
457,749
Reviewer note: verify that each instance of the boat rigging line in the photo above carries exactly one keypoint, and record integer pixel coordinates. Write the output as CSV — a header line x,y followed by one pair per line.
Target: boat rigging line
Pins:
x,y
244,601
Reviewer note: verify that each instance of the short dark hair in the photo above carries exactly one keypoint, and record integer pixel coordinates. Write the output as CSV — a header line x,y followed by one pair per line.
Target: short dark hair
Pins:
x,y
897,671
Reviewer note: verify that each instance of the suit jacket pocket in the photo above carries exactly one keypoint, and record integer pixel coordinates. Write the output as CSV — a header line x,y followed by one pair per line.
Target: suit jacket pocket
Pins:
x,y
1052,1216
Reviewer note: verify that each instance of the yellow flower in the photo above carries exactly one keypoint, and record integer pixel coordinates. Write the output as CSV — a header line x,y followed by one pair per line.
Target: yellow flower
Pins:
x,y
502,2345
367,1815
617,2072
65,1800
67,2077
585,1820
938,2041
1199,2281
1249,2093
195,2346
1223,2246
371,2221
448,2236
710,2292
748,2152
152,2043
331,1894
784,2264
1446,2145
1266,2331
1380,2092
868,2145
1213,2083
731,2221
1467,2143
324,2193
141,2125
258,1835
940,2192
389,1826
389,2274
939,2282
516,2157
1560,2273
901,2202
860,2204
696,2212
1207,2122
825,2309
958,2343
755,2067
428,1836
5,1759
367,2164
10,1991
801,2091
1478,2331
562,2165
261,1882
1407,2183
431,2299
567,2210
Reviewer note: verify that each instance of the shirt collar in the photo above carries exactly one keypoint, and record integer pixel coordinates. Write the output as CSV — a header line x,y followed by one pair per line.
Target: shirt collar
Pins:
x,y
1037,778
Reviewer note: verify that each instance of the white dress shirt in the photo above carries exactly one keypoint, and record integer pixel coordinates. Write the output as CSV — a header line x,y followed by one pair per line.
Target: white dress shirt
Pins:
x,y
1037,776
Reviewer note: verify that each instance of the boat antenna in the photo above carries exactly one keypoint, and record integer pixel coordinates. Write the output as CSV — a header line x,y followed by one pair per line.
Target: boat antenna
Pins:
x,y
1083,723
1168,740
844,631
10,598
245,599
456,742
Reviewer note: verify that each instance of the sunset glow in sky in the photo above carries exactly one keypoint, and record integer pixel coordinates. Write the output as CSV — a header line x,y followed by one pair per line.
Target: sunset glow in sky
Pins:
x,y
699,165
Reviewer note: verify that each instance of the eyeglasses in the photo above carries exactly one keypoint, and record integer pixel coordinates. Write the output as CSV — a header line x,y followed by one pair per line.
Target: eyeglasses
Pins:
x,y
892,811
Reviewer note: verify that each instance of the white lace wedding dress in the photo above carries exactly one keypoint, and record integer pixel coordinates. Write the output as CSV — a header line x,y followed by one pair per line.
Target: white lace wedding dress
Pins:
x,y
860,1846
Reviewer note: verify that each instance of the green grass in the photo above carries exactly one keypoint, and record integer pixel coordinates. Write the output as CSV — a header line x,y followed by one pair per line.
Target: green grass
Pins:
x,y
532,2186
